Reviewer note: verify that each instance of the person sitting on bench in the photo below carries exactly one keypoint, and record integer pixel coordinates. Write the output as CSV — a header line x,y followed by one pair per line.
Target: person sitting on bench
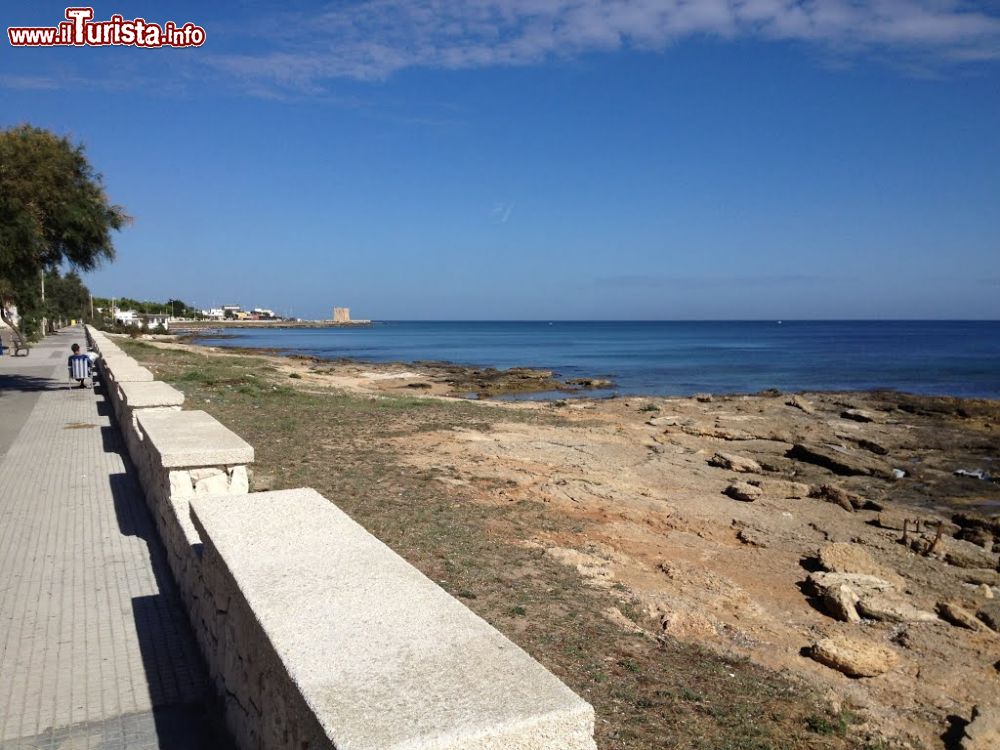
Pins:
x,y
79,366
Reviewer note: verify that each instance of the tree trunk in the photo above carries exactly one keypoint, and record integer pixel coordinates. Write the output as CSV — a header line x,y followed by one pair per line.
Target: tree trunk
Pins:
x,y
19,341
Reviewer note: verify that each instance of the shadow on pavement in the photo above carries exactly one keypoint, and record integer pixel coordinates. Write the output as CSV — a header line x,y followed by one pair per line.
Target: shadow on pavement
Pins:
x,y
27,383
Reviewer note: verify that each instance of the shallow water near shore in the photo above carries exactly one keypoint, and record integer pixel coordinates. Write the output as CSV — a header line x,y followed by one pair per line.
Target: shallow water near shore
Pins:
x,y
954,358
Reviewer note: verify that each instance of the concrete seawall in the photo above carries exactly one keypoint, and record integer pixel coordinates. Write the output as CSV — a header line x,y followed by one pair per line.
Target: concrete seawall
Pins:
x,y
315,633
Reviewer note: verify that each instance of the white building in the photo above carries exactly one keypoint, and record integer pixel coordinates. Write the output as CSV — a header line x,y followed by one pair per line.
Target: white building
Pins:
x,y
126,317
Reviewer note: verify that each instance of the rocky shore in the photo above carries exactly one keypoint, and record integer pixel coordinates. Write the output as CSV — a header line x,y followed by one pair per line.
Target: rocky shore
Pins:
x,y
849,540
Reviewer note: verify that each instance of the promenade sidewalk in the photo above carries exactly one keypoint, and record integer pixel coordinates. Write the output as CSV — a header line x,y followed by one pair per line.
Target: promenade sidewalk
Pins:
x,y
95,647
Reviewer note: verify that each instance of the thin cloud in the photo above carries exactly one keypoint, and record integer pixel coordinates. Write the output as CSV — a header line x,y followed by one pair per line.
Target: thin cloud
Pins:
x,y
501,212
373,39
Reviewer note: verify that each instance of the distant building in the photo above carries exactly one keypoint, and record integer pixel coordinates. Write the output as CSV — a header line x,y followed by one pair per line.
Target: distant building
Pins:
x,y
125,317
215,313
341,315
153,320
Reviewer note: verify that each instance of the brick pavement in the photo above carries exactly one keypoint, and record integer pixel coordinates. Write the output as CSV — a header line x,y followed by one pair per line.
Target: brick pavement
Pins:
x,y
95,648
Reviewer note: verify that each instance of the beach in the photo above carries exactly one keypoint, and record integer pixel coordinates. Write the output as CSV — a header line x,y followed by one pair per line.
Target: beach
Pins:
x,y
789,569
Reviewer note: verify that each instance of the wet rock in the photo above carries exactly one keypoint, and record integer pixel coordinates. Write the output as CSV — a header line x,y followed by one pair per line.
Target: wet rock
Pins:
x,y
983,732
890,608
831,493
858,415
958,616
592,383
840,460
844,557
989,613
703,398
731,461
800,403
744,491
854,657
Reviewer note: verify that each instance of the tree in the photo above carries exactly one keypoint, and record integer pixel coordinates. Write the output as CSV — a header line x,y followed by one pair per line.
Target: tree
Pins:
x,y
53,211
66,296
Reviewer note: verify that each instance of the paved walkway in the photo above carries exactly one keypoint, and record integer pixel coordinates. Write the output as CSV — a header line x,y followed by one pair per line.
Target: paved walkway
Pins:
x,y
95,648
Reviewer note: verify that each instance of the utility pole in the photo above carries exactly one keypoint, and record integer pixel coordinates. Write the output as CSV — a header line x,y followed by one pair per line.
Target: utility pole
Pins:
x,y
45,322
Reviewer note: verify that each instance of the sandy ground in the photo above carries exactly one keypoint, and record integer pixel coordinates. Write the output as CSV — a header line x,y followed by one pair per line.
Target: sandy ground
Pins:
x,y
655,523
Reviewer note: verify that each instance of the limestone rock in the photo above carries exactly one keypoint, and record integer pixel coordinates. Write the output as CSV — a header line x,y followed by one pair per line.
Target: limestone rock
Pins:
x,y
800,403
841,602
968,520
915,521
854,657
989,613
978,537
180,484
198,474
981,577
858,415
239,481
703,398
783,488
840,460
744,491
963,554
958,616
216,484
873,447
831,493
731,461
844,557
983,732
891,608
858,582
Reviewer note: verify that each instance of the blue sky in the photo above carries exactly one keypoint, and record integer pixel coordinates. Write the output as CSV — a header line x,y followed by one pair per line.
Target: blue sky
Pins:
x,y
543,159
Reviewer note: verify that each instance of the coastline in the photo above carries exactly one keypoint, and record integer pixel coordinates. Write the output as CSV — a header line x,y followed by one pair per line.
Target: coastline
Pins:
x,y
633,498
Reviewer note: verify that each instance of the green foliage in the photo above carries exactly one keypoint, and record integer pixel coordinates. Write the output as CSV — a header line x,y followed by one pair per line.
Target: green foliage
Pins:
x,y
66,297
53,211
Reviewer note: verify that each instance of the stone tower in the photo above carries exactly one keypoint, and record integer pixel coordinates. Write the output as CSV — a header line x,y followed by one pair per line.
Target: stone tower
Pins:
x,y
341,315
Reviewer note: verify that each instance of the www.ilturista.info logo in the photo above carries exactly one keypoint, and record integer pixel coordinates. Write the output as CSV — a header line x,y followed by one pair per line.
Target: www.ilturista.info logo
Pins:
x,y
80,30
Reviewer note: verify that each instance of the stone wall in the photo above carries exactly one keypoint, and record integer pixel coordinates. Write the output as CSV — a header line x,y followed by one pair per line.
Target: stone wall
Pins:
x,y
315,634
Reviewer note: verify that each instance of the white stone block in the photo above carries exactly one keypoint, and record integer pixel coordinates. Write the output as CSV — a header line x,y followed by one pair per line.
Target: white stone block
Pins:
x,y
188,439
239,481
180,484
372,654
217,484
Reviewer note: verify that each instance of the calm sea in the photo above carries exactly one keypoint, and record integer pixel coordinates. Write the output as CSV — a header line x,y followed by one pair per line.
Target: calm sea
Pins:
x,y
681,358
